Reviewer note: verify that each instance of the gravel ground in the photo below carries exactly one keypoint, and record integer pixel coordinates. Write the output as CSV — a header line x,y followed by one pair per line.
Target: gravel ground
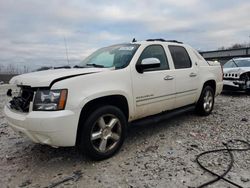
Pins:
x,y
159,155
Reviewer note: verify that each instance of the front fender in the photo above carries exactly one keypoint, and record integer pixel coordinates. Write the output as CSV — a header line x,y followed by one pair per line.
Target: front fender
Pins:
x,y
85,100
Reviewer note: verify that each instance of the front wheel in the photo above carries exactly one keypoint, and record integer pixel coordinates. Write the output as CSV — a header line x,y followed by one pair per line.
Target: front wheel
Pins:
x,y
103,133
205,103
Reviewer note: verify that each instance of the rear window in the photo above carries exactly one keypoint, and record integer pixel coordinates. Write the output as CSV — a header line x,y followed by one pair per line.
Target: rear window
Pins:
x,y
180,57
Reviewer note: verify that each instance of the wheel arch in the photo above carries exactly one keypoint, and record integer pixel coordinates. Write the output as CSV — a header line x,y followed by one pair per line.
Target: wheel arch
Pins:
x,y
211,83
200,108
117,100
245,75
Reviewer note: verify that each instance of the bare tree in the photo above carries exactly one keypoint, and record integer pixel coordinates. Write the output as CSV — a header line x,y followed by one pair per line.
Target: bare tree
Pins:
x,y
221,48
235,46
1,68
25,69
11,69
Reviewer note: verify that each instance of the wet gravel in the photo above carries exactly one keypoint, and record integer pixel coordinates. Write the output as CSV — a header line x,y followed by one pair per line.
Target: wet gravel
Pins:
x,y
154,155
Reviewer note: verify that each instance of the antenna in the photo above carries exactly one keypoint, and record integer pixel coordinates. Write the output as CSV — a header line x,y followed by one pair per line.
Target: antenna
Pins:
x,y
66,49
134,40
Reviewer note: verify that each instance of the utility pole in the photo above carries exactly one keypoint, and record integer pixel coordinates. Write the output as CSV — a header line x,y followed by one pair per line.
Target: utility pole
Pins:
x,y
66,49
249,42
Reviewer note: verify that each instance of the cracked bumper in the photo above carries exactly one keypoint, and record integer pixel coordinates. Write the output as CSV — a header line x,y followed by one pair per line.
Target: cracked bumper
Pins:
x,y
236,85
51,128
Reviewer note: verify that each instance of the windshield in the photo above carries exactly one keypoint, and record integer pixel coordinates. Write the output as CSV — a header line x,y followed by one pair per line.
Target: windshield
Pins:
x,y
237,63
117,56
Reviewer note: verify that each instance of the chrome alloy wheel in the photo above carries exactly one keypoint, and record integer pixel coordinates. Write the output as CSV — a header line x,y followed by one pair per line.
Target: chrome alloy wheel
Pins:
x,y
106,133
208,101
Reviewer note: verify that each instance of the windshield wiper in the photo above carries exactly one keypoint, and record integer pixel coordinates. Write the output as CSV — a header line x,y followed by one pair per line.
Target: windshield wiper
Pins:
x,y
63,67
78,66
95,65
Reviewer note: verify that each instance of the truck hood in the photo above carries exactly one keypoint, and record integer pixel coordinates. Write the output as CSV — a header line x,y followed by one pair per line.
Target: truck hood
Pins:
x,y
236,70
48,77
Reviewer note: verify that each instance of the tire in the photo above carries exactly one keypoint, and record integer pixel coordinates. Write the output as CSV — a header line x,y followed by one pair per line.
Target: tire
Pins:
x,y
103,132
205,103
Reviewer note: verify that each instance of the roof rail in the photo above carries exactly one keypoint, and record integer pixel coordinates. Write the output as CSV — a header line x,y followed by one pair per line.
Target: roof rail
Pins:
x,y
163,40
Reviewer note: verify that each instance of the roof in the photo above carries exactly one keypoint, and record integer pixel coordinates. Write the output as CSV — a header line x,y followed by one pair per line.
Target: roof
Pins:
x,y
242,58
160,40
157,41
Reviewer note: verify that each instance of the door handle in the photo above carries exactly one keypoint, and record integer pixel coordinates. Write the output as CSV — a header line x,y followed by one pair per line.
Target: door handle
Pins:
x,y
168,77
192,74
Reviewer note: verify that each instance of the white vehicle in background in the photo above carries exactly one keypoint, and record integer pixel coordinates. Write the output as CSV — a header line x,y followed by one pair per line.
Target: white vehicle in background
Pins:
x,y
237,75
90,105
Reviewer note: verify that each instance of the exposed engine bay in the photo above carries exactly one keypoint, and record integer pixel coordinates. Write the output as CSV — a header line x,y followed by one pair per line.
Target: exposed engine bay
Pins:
x,y
21,100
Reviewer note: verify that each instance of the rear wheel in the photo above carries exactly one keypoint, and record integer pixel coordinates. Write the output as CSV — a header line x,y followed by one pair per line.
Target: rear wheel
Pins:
x,y
103,133
206,101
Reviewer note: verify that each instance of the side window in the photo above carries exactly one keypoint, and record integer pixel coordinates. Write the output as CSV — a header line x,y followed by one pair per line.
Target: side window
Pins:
x,y
155,51
180,57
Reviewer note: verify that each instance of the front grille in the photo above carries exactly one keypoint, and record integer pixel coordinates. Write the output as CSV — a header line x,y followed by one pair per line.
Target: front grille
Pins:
x,y
22,101
232,79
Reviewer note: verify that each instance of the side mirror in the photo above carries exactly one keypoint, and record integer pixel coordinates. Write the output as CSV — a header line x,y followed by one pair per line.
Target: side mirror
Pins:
x,y
147,64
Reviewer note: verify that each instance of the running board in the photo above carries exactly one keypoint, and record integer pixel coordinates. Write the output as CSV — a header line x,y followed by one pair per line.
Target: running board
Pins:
x,y
163,116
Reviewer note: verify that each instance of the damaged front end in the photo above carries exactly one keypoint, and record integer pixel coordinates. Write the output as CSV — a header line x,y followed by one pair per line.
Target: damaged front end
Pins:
x,y
236,81
21,100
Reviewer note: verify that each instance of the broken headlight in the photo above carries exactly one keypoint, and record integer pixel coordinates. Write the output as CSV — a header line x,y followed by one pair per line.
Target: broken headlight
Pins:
x,y
50,100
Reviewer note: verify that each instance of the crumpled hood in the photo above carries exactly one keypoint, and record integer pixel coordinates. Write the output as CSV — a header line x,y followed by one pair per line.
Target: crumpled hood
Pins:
x,y
48,77
236,70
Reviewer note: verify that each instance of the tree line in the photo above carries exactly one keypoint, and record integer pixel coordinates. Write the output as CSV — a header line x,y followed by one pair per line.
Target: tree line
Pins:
x,y
235,46
14,69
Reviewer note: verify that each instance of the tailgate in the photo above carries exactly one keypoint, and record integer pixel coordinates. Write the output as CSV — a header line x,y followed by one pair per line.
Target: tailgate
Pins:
x,y
214,63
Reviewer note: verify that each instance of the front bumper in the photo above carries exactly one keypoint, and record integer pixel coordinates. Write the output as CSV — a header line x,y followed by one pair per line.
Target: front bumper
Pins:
x,y
235,85
56,128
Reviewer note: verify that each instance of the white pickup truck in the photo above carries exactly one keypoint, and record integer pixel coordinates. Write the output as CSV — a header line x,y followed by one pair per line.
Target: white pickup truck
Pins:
x,y
90,105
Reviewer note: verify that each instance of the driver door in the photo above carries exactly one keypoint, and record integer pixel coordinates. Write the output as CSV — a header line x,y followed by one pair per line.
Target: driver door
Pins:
x,y
154,89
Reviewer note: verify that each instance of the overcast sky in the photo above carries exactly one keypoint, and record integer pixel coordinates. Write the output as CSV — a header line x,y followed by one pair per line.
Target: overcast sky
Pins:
x,y
33,31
